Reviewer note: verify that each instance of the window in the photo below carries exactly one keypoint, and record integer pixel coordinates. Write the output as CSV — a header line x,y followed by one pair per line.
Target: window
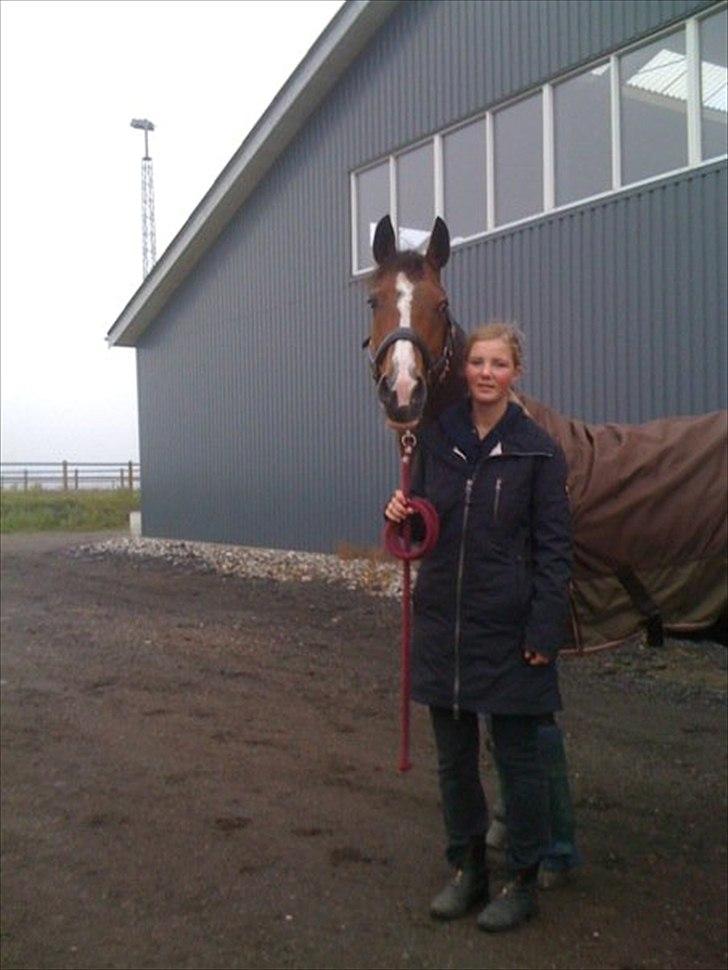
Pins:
x,y
415,196
714,84
372,201
653,107
518,157
464,180
657,107
583,135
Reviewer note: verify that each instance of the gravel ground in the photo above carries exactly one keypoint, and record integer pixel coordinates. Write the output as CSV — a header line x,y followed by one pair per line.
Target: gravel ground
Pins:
x,y
198,771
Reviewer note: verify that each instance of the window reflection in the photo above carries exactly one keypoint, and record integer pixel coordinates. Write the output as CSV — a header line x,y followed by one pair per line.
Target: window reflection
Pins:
x,y
583,135
714,84
372,202
518,153
464,164
415,196
653,107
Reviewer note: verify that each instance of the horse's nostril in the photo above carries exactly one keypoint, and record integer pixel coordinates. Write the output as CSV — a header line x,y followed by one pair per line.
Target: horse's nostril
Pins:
x,y
419,392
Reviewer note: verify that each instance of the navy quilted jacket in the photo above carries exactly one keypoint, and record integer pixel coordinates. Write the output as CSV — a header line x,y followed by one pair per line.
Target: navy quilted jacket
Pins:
x,y
497,581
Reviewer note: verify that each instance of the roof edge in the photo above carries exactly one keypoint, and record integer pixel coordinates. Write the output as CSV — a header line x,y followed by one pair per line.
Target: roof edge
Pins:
x,y
331,54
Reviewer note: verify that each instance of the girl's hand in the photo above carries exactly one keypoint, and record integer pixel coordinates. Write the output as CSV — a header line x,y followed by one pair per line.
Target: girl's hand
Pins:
x,y
397,508
535,659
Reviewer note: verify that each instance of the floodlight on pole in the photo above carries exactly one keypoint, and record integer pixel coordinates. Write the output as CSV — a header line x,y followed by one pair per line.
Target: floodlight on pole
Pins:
x,y
149,237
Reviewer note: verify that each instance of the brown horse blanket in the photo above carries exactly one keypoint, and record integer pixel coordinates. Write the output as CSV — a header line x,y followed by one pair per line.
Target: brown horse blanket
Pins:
x,y
650,524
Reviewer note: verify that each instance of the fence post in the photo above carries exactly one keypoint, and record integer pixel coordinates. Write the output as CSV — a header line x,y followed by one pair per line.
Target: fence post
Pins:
x,y
65,475
131,477
121,473
25,479
75,478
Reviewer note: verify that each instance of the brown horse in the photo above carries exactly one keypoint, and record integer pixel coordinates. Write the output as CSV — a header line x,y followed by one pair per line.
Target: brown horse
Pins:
x,y
648,500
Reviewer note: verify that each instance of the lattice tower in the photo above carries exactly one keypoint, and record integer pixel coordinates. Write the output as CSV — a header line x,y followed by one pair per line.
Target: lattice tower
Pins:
x,y
149,236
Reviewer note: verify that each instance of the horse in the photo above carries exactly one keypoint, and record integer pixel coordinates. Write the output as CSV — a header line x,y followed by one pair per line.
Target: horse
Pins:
x,y
648,500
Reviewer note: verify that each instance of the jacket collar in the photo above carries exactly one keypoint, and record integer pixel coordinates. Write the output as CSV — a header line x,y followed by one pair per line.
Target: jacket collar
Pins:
x,y
515,434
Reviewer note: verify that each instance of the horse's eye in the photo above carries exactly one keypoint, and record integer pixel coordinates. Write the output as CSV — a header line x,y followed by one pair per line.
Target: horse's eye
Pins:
x,y
443,306
372,301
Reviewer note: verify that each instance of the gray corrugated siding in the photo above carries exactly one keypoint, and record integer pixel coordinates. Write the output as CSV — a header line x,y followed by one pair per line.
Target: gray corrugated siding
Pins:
x,y
257,416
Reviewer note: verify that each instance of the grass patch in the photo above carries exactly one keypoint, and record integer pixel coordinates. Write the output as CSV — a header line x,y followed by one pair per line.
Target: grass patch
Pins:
x,y
39,510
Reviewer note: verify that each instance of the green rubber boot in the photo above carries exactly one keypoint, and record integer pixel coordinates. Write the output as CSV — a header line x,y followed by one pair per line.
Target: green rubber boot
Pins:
x,y
468,887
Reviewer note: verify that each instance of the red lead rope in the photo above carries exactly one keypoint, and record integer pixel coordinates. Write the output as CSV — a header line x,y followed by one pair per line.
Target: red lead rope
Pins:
x,y
398,542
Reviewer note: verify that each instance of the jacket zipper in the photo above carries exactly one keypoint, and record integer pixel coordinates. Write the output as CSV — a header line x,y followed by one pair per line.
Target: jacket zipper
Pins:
x,y
461,566
458,597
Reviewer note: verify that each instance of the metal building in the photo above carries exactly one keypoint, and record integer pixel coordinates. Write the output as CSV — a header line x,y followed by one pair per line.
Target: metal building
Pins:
x,y
577,150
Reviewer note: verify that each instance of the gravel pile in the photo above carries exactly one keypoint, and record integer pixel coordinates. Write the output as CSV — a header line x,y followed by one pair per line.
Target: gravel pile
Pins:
x,y
368,574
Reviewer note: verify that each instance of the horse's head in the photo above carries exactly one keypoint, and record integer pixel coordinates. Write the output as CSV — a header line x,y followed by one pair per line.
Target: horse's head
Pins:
x,y
411,339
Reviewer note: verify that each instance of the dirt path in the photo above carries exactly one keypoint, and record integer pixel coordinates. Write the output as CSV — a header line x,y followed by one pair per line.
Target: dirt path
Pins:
x,y
198,772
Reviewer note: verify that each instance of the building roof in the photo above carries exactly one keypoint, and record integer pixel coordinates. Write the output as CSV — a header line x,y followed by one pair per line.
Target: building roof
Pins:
x,y
343,39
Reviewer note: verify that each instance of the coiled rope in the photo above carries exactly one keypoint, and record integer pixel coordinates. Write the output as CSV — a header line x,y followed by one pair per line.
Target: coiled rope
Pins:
x,y
398,542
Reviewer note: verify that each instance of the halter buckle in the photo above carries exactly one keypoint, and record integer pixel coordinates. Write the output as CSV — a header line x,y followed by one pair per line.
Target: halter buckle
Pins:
x,y
408,442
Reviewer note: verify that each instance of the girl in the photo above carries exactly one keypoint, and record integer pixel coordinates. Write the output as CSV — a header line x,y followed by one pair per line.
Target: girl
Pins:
x,y
490,613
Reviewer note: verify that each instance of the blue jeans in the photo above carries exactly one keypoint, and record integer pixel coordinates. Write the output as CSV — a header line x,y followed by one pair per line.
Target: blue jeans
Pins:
x,y
562,852
465,810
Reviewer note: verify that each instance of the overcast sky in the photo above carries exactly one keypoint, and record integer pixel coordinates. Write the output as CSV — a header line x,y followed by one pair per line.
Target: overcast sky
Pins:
x,y
74,74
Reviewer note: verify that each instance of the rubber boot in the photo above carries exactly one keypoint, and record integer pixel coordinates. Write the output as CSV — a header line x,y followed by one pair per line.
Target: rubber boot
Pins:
x,y
468,887
516,903
562,855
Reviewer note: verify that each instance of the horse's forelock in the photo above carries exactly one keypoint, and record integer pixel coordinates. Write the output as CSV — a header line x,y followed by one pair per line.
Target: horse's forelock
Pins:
x,y
411,263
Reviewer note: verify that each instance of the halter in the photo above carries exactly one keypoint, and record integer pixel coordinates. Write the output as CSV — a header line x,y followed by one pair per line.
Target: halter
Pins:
x,y
436,371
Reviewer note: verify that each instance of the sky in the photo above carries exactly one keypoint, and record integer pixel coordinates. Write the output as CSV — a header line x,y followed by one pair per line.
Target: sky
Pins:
x,y
74,74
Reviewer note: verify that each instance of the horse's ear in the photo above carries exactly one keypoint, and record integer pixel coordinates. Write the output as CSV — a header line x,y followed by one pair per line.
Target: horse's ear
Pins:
x,y
438,250
384,246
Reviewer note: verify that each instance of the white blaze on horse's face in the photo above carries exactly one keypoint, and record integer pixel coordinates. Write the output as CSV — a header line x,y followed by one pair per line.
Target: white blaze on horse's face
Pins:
x,y
403,355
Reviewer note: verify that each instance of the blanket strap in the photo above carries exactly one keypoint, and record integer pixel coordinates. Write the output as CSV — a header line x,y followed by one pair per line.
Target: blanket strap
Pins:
x,y
644,604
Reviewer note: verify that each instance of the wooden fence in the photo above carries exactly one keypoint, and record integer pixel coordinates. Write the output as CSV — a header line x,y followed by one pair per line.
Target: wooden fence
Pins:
x,y
69,475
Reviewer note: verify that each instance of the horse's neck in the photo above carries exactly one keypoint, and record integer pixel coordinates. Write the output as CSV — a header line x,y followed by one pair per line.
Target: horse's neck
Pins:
x,y
452,388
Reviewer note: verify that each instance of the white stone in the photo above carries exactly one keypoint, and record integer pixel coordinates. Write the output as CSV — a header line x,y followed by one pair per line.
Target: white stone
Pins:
x,y
135,523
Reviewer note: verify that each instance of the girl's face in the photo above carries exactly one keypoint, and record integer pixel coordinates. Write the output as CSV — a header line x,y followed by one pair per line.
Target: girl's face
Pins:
x,y
490,371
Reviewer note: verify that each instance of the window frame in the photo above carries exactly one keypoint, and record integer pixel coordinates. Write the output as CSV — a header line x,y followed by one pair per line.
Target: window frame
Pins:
x,y
393,161
690,68
698,80
440,190
354,207
691,27
497,109
613,120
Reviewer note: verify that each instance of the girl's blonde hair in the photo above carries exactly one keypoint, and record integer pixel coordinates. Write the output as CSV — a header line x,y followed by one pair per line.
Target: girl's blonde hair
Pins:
x,y
511,335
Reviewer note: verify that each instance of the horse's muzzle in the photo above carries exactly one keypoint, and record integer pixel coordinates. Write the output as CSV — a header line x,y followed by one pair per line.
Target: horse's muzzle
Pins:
x,y
402,415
